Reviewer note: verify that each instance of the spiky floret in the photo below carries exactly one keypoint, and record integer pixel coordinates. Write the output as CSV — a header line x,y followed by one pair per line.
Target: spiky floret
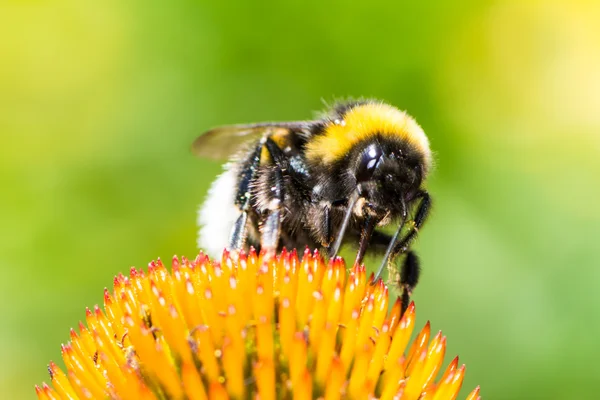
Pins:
x,y
282,328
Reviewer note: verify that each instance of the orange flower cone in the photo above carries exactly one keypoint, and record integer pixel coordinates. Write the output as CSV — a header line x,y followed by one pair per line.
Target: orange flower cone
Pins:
x,y
246,328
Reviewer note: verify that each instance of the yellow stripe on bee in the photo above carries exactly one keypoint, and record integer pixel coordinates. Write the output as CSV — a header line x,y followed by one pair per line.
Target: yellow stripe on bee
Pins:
x,y
281,137
363,122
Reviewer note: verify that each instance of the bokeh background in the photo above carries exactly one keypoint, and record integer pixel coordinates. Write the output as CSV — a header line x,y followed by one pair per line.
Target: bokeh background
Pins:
x,y
99,102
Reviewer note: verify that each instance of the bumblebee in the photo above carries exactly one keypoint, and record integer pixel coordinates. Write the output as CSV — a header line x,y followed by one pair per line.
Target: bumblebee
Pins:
x,y
321,183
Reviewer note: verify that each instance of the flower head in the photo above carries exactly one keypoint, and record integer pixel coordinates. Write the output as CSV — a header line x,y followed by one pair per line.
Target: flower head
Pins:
x,y
279,328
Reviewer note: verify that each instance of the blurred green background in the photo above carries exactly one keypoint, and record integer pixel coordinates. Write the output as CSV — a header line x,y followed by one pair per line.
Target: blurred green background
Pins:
x,y
99,102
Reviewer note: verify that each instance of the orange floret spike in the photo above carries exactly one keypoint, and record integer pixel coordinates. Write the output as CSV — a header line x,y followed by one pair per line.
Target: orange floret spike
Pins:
x,y
336,382
78,385
353,295
419,344
287,285
90,319
381,304
105,331
219,285
113,313
234,331
190,304
358,376
287,326
303,391
233,368
166,371
177,282
382,345
335,305
108,363
175,332
365,328
318,270
251,326
317,320
192,382
115,376
60,382
417,377
392,380
279,270
449,387
132,385
264,305
47,393
237,299
306,286
264,339
326,354
40,393
298,359
85,340
349,341
400,338
85,356
217,392
76,370
474,395
435,357
160,274
206,352
396,313
264,371
333,277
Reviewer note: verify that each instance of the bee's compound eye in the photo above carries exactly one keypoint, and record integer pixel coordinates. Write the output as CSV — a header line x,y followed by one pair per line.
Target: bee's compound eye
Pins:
x,y
370,159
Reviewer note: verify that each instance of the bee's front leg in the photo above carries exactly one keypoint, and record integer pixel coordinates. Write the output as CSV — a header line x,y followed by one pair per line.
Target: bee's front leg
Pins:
x,y
409,277
271,225
270,197
237,238
421,215
365,237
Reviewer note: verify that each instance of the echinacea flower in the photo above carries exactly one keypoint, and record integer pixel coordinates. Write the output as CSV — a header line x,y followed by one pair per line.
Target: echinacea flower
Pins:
x,y
252,328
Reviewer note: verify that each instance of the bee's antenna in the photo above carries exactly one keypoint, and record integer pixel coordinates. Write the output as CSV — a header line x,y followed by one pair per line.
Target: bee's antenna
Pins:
x,y
338,240
390,249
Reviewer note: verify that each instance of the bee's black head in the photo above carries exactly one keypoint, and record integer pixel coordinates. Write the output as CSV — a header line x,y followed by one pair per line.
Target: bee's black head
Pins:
x,y
386,172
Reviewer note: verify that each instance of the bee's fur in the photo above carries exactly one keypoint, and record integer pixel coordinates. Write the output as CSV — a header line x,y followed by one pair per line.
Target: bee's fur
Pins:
x,y
218,213
293,188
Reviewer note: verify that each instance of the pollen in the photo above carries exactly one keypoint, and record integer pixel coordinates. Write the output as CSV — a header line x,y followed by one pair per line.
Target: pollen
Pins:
x,y
252,327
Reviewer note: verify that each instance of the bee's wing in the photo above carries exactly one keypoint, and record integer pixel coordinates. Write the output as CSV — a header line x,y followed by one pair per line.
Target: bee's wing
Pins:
x,y
224,141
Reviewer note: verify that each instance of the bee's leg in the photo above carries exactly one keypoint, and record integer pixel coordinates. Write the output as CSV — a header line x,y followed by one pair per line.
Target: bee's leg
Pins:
x,y
379,242
326,227
409,272
420,217
271,225
324,230
365,238
238,232
320,215
409,277
237,239
391,244
333,250
395,247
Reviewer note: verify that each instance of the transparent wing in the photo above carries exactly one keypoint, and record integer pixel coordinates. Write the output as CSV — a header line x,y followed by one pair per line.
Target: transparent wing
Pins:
x,y
224,141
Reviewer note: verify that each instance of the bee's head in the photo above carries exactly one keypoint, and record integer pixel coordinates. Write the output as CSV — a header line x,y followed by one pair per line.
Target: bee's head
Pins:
x,y
386,173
